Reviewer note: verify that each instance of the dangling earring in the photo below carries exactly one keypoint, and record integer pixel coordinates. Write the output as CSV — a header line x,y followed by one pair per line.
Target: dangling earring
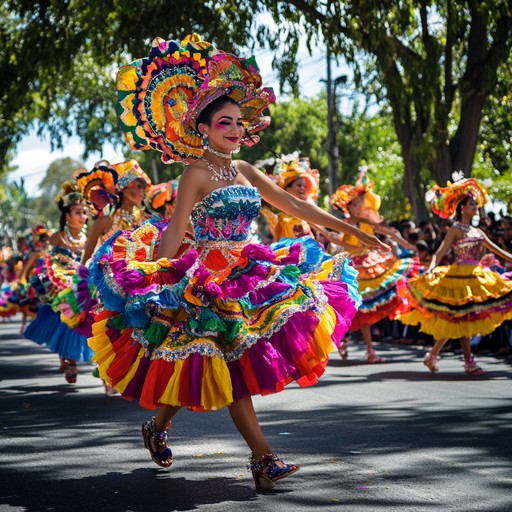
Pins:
x,y
205,141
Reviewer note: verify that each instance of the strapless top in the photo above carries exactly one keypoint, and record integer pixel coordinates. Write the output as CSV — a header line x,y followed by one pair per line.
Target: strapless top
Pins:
x,y
225,214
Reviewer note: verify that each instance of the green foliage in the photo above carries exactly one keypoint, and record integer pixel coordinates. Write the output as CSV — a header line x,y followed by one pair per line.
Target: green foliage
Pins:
x,y
44,208
58,59
370,140
300,125
15,215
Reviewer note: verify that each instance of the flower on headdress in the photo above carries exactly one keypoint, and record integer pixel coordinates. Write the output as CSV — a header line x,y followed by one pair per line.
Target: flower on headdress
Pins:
x,y
69,194
160,97
363,187
444,200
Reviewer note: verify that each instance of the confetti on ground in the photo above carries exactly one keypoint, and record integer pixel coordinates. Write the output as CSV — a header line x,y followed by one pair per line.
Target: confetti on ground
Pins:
x,y
211,454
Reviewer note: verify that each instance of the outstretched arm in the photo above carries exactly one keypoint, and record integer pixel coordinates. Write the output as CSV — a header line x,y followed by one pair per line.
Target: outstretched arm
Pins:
x,y
303,209
395,235
496,249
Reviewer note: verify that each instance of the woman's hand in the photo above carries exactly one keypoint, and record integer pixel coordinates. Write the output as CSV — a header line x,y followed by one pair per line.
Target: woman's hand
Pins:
x,y
372,242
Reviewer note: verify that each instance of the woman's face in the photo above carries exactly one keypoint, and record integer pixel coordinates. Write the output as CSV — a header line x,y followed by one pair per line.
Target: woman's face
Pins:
x,y
77,216
134,192
355,206
470,208
297,189
225,130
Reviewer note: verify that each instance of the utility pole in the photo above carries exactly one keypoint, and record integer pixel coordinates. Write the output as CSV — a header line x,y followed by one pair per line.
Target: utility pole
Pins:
x,y
332,148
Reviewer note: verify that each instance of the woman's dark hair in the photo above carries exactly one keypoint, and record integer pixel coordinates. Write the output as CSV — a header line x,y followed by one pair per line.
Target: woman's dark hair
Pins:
x,y
63,211
458,210
205,117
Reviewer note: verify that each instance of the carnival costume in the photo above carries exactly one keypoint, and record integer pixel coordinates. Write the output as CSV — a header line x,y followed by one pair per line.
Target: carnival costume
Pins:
x,y
60,265
227,318
466,298
284,225
100,188
379,273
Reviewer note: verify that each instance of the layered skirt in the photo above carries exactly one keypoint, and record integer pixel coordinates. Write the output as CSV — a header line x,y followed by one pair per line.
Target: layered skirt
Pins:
x,y
459,300
222,321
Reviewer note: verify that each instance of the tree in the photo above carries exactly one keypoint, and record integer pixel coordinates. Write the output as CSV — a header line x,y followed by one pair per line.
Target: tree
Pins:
x,y
58,60
435,63
299,125
15,216
44,206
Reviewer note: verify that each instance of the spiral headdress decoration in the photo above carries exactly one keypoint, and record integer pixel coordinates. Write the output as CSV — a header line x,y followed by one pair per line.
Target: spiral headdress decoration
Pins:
x,y
160,97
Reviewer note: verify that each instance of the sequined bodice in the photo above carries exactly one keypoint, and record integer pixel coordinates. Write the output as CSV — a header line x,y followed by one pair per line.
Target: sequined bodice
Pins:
x,y
64,254
468,249
225,214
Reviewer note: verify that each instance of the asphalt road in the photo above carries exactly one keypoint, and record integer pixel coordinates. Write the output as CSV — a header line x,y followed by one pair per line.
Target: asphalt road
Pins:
x,y
389,437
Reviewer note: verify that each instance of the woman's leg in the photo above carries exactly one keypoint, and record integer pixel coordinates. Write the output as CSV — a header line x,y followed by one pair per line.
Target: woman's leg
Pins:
x,y
244,417
154,433
438,345
165,415
371,356
470,366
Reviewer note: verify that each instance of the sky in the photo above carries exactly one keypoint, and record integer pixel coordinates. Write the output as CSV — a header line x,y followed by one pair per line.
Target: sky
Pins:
x,y
34,154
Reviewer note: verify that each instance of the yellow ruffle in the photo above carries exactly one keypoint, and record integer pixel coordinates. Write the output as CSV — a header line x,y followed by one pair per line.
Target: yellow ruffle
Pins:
x,y
441,328
458,284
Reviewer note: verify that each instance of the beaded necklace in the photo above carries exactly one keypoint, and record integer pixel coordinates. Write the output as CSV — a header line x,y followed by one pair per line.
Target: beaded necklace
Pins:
x,y
72,242
226,173
226,156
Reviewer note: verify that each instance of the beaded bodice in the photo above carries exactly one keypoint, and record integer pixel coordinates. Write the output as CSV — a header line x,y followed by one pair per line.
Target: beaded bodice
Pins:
x,y
468,249
64,255
225,214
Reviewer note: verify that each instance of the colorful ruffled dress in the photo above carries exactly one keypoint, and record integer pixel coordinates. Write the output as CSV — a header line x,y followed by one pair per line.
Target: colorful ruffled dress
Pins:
x,y
59,268
227,319
463,299
379,276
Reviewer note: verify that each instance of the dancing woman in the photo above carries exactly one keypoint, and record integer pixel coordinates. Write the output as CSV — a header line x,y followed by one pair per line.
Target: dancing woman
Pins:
x,y
463,299
379,272
60,265
124,184
227,318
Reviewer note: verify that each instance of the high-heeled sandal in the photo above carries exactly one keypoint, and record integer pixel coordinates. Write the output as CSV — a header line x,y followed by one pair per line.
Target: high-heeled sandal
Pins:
x,y
63,364
156,443
430,362
471,368
343,349
71,371
266,471
372,357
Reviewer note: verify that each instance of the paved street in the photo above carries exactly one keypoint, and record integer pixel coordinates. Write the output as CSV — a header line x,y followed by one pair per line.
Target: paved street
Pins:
x,y
388,437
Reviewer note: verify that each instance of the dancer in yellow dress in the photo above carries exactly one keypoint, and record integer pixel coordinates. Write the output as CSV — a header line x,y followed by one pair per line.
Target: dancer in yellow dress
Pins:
x,y
379,273
463,299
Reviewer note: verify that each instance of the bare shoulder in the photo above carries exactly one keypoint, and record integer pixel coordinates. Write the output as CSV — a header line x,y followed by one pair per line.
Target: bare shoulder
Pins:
x,y
56,239
247,170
